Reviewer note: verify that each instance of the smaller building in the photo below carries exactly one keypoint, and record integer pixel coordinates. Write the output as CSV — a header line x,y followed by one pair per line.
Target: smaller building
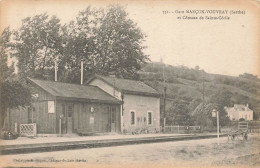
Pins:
x,y
68,108
239,111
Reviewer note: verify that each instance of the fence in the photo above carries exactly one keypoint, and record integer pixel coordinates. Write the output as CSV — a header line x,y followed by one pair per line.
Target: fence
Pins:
x,y
251,126
254,126
181,129
28,129
253,129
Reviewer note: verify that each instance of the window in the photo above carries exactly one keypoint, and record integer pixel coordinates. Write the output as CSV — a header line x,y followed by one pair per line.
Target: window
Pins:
x,y
149,118
132,114
91,120
112,113
70,110
50,106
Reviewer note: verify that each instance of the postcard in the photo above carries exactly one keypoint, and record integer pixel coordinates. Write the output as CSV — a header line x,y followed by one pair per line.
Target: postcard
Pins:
x,y
155,83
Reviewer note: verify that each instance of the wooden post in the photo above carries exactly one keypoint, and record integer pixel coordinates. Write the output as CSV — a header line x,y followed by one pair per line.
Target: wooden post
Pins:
x,y
8,118
218,125
34,129
60,127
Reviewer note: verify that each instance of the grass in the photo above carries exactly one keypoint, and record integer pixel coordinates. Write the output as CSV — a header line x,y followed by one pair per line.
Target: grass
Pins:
x,y
228,152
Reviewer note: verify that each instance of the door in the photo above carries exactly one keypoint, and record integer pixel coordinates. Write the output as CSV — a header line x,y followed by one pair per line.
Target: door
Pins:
x,y
69,118
113,119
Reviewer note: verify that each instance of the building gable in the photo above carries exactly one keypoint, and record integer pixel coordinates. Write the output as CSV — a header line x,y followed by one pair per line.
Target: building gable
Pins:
x,y
113,91
125,86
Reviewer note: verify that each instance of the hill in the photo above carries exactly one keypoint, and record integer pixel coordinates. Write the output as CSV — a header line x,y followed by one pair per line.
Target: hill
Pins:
x,y
187,85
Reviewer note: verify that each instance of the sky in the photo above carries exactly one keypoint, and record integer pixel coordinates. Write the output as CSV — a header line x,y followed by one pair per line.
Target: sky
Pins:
x,y
229,47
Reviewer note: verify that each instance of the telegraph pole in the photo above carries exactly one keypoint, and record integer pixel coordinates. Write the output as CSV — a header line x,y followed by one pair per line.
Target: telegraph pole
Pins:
x,y
203,90
218,125
164,112
81,74
164,97
56,69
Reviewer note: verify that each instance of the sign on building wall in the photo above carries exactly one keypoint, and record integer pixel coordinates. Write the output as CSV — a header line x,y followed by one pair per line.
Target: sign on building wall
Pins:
x,y
91,120
51,107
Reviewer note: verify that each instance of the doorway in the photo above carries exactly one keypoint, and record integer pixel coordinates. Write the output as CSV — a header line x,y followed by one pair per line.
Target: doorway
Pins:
x,y
112,116
69,115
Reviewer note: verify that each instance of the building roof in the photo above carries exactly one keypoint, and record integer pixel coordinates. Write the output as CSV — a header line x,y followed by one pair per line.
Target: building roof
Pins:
x,y
127,86
74,91
238,107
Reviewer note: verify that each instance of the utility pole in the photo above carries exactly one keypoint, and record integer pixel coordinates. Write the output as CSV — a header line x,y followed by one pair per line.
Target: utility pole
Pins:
x,y
164,97
218,125
203,90
81,74
164,111
56,69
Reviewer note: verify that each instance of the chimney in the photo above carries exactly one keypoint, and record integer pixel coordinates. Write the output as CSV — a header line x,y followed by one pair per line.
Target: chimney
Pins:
x,y
55,64
81,79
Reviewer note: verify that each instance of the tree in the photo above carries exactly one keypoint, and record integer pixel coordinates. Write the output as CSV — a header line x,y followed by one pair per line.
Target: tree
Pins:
x,y
178,114
197,68
222,98
202,115
218,100
36,45
78,43
249,76
12,92
120,43
5,71
106,40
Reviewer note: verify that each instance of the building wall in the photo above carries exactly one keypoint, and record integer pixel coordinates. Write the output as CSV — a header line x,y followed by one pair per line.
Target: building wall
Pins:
x,y
247,115
82,116
141,105
236,115
45,122
19,116
112,91
233,115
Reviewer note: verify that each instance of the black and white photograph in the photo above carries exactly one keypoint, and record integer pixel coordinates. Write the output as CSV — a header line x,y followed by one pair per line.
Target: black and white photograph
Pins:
x,y
172,83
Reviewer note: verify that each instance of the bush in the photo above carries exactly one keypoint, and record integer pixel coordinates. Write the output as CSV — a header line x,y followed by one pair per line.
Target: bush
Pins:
x,y
242,119
8,135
